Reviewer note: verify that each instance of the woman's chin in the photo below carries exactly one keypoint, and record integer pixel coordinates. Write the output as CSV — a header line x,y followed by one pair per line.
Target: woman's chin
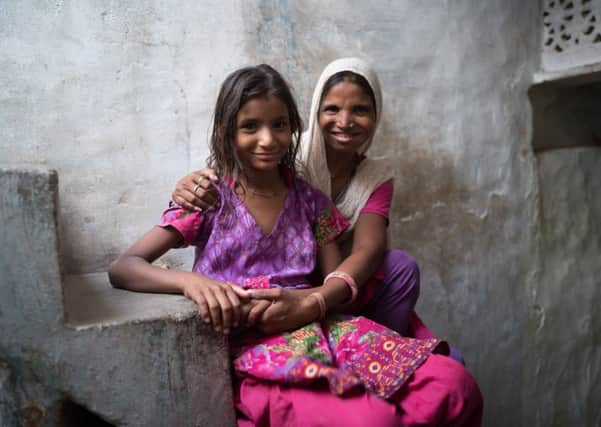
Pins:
x,y
344,148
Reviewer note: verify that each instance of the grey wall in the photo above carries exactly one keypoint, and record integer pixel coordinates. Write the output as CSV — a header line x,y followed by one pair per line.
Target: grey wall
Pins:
x,y
117,97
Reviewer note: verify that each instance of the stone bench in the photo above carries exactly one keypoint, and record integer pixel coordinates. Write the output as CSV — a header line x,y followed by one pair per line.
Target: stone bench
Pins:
x,y
74,350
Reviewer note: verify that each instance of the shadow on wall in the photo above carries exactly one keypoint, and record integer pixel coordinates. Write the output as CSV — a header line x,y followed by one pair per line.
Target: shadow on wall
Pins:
x,y
567,113
452,228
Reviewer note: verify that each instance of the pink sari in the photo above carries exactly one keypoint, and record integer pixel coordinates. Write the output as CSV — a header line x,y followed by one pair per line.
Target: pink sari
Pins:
x,y
438,392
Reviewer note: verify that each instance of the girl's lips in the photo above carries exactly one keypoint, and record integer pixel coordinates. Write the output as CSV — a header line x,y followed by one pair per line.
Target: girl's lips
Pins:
x,y
267,156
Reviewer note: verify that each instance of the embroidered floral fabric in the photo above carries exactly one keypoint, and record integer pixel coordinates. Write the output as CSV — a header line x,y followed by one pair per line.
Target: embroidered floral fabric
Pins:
x,y
347,352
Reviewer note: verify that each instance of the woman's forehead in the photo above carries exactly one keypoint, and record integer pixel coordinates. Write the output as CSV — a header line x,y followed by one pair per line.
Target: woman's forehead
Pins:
x,y
347,90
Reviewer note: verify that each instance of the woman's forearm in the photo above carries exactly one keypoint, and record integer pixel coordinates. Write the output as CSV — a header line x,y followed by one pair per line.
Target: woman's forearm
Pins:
x,y
362,263
369,245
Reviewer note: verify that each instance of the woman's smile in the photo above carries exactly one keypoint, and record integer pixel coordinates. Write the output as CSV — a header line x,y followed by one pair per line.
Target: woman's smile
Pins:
x,y
344,137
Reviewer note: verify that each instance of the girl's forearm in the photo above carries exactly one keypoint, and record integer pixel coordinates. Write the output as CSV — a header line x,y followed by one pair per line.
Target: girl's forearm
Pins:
x,y
136,274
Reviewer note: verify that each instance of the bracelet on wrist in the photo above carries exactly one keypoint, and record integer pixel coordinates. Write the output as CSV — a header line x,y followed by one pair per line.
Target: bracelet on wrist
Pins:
x,y
321,301
346,278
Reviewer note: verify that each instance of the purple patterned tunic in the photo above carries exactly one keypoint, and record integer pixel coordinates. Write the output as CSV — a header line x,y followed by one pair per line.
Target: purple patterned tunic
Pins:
x,y
346,351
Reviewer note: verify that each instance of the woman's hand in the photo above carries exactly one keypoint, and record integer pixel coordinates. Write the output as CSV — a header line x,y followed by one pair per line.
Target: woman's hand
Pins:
x,y
195,192
287,309
252,310
219,303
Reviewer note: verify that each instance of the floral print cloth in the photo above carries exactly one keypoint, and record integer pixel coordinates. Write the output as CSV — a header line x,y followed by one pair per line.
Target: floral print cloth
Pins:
x,y
347,352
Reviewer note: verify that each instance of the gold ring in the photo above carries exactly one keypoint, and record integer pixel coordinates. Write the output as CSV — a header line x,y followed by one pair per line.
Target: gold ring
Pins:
x,y
196,187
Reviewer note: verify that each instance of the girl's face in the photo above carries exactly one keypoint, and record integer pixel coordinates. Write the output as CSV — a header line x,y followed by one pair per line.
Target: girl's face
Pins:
x,y
263,133
346,117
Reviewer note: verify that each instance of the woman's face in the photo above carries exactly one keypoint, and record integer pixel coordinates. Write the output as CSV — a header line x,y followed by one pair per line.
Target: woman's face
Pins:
x,y
346,117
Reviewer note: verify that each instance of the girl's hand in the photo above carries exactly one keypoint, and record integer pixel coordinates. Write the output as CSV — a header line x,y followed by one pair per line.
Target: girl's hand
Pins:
x,y
218,302
288,309
195,192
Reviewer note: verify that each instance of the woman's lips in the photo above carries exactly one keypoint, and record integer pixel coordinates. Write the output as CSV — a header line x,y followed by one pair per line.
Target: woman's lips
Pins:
x,y
343,137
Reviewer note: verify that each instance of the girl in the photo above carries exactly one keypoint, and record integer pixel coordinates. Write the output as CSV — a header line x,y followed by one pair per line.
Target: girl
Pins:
x,y
269,231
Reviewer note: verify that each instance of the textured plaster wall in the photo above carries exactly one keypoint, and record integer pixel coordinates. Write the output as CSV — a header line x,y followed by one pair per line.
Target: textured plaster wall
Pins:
x,y
117,97
564,335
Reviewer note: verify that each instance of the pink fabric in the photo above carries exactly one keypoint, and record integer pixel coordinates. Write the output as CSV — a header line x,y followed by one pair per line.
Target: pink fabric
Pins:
x,y
268,404
417,328
380,200
441,392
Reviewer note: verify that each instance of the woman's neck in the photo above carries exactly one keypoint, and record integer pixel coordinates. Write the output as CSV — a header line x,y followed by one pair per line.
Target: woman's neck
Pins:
x,y
340,164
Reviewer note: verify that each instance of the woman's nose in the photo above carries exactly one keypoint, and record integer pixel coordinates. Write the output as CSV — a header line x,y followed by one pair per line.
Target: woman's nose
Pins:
x,y
343,119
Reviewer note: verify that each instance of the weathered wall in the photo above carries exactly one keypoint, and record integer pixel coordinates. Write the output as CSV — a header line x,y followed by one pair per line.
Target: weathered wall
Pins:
x,y
563,381
117,97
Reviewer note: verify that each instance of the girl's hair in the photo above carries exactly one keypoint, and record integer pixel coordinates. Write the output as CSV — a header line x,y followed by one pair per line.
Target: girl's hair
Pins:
x,y
349,77
238,88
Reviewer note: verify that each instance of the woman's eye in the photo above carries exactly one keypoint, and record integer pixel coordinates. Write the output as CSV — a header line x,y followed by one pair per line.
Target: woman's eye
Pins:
x,y
361,109
330,109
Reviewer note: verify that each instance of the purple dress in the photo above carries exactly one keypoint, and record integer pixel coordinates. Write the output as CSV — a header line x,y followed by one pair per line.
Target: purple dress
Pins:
x,y
348,352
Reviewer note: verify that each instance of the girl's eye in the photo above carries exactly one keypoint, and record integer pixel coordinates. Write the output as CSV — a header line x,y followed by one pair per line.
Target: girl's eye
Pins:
x,y
248,126
280,124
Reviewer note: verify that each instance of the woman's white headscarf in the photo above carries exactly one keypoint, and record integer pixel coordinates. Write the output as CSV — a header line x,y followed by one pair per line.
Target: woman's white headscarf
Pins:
x,y
370,172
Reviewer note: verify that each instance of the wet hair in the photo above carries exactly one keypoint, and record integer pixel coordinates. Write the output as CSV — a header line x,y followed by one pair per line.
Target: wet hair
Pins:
x,y
237,89
349,77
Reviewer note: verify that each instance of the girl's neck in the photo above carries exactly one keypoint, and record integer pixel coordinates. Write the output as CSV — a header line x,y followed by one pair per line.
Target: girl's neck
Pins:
x,y
262,183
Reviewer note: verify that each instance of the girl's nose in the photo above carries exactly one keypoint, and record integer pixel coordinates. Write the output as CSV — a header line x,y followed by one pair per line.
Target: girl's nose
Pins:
x,y
266,137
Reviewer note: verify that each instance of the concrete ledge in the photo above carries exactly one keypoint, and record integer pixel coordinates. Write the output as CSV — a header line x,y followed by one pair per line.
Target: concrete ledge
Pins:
x,y
90,301
130,359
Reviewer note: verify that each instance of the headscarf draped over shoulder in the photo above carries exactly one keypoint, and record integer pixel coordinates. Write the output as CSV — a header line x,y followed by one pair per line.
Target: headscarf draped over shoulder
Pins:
x,y
370,173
